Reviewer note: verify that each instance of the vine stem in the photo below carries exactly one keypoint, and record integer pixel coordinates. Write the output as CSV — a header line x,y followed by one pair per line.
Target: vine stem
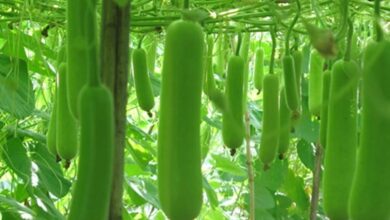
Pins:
x,y
115,63
316,182
251,179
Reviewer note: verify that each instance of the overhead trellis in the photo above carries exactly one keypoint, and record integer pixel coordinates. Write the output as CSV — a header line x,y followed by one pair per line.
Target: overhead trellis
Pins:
x,y
215,15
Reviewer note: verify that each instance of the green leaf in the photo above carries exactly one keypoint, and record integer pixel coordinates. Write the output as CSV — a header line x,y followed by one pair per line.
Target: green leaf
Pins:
x,y
294,188
306,128
214,214
226,165
211,195
136,199
13,206
264,199
273,178
306,154
49,172
21,193
16,90
15,156
263,215
146,189
45,209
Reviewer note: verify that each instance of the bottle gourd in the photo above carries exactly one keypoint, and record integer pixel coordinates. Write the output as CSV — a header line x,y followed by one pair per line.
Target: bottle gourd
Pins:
x,y
259,69
143,87
232,120
67,127
91,195
179,158
324,107
285,125
315,83
370,196
290,84
77,50
270,122
341,139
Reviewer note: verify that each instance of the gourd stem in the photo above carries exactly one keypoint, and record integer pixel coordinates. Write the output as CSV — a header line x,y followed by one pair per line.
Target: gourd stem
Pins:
x,y
291,27
347,55
272,62
379,32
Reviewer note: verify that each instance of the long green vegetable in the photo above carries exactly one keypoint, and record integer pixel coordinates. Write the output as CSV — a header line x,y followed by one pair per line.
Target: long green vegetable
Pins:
x,y
67,127
341,141
179,158
232,124
270,124
370,196
315,83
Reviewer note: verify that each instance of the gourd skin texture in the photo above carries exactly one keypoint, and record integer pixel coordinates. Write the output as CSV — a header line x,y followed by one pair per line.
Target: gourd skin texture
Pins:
x,y
259,69
67,128
315,83
77,43
270,125
340,156
143,87
179,158
51,136
290,83
91,196
370,196
232,120
324,107
285,124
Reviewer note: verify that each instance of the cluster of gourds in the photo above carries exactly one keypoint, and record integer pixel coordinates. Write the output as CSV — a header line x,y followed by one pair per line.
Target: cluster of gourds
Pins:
x,y
83,103
82,120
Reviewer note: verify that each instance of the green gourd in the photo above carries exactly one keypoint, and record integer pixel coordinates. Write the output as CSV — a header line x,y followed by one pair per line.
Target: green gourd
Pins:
x,y
91,196
143,87
285,124
298,64
341,141
77,50
232,120
179,159
259,69
67,127
324,107
370,196
51,136
271,120
290,84
209,84
244,53
315,83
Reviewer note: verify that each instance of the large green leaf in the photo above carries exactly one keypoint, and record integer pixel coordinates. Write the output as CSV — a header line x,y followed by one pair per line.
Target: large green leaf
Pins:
x,y
307,128
15,156
306,154
294,188
226,165
16,90
211,195
8,205
273,177
49,172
